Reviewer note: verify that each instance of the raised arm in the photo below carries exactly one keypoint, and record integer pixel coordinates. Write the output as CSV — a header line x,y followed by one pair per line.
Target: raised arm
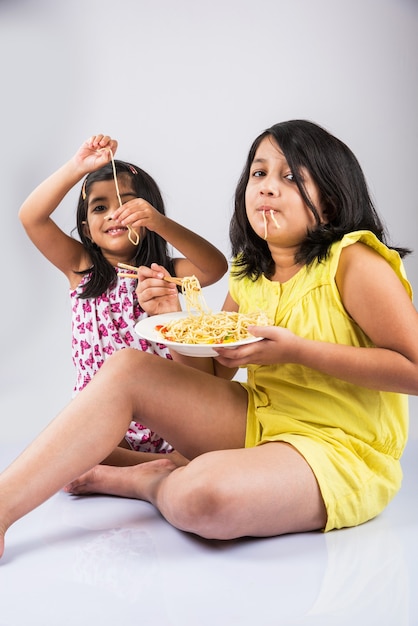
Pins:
x,y
375,298
202,259
66,253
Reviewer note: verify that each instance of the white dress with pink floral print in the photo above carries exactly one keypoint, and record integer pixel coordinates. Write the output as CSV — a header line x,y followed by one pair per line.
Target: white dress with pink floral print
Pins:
x,y
102,325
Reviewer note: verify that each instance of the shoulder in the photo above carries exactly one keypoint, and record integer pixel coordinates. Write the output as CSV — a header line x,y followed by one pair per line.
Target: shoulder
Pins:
x,y
366,280
361,254
362,251
359,264
358,254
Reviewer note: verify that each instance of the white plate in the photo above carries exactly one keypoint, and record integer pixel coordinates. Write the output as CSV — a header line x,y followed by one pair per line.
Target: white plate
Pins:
x,y
146,329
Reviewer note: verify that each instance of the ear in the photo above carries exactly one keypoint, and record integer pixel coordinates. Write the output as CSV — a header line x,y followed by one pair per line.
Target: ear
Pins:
x,y
86,230
328,211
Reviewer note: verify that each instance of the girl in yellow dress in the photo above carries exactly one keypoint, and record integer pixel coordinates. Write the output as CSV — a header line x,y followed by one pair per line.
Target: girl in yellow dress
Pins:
x,y
313,439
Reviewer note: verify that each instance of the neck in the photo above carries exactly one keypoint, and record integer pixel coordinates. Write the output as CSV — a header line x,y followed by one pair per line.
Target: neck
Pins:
x,y
285,264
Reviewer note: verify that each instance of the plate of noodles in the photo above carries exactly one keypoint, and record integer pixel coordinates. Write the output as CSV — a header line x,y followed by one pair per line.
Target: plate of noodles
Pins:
x,y
200,334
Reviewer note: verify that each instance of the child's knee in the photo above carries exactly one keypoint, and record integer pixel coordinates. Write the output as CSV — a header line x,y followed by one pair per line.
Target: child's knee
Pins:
x,y
197,505
124,360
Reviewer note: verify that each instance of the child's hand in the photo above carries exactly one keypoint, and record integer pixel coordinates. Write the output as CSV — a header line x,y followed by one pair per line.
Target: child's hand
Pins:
x,y
95,153
155,295
279,346
138,213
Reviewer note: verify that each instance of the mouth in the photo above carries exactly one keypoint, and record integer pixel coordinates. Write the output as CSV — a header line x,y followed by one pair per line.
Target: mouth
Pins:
x,y
116,230
267,210
271,213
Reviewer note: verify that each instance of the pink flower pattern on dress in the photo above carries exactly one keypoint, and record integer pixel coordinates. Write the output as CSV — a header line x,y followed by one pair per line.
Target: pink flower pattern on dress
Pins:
x,y
102,325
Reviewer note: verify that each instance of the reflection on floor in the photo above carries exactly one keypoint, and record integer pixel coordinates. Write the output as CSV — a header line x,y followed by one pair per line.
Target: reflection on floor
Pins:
x,y
103,560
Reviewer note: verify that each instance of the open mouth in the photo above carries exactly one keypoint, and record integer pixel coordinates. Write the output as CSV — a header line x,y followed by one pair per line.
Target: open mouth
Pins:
x,y
115,231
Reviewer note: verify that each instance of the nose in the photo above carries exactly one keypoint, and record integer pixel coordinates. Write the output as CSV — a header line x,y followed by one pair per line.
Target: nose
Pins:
x,y
270,186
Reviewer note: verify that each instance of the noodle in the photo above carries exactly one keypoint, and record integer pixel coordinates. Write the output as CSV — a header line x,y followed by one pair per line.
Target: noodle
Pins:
x,y
132,234
273,217
207,327
192,292
211,328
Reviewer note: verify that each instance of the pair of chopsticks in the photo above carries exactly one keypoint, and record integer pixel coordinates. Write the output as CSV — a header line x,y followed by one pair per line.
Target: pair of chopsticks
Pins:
x,y
133,274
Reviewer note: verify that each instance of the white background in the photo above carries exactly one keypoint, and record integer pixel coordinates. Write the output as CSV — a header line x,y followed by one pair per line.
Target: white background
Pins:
x,y
185,86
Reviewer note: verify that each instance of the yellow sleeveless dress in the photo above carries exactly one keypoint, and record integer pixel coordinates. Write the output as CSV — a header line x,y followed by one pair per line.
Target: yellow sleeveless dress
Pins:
x,y
351,437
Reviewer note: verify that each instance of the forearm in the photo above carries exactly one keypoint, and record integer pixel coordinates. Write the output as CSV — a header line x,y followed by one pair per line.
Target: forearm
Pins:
x,y
43,200
210,264
375,368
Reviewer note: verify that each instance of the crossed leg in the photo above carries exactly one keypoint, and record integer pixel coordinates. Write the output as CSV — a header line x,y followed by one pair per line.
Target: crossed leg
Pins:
x,y
226,491
263,491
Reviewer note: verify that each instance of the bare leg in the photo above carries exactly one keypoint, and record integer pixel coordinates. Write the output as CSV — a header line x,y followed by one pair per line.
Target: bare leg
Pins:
x,y
263,491
195,411
120,481
123,457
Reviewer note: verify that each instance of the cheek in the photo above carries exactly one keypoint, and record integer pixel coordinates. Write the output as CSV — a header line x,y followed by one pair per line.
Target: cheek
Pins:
x,y
250,197
246,196
93,220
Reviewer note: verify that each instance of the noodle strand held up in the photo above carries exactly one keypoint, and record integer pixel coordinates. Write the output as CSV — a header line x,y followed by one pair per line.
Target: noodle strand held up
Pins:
x,y
132,234
193,296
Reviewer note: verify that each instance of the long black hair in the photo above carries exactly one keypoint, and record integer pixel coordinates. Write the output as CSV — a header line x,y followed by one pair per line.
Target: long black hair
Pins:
x,y
151,249
343,193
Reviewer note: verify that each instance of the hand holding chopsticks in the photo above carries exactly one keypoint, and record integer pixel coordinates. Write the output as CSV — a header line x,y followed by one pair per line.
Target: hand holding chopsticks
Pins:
x,y
132,273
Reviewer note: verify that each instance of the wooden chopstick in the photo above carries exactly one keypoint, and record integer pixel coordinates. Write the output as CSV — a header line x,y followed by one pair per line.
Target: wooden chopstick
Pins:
x,y
125,266
173,279
127,275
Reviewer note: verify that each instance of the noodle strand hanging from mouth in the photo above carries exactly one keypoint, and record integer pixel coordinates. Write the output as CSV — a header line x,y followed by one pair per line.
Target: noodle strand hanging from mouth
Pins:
x,y
273,217
265,224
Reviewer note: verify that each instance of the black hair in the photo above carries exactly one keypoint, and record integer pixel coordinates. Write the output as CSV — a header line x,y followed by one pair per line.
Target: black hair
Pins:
x,y
343,193
151,249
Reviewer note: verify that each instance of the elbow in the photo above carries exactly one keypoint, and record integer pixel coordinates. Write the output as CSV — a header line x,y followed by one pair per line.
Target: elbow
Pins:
x,y
414,390
217,270
413,384
23,215
222,268
409,386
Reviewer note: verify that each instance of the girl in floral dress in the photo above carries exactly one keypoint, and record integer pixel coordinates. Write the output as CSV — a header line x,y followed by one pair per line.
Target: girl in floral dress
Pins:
x,y
118,221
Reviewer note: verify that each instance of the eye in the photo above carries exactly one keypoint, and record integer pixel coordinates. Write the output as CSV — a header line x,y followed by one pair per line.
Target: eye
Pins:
x,y
290,177
99,208
258,173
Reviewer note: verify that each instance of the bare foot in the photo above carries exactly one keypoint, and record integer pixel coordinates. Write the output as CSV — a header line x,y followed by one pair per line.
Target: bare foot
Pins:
x,y
3,528
136,481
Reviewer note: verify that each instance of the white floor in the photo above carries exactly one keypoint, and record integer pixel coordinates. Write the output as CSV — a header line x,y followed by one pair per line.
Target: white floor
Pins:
x,y
103,560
